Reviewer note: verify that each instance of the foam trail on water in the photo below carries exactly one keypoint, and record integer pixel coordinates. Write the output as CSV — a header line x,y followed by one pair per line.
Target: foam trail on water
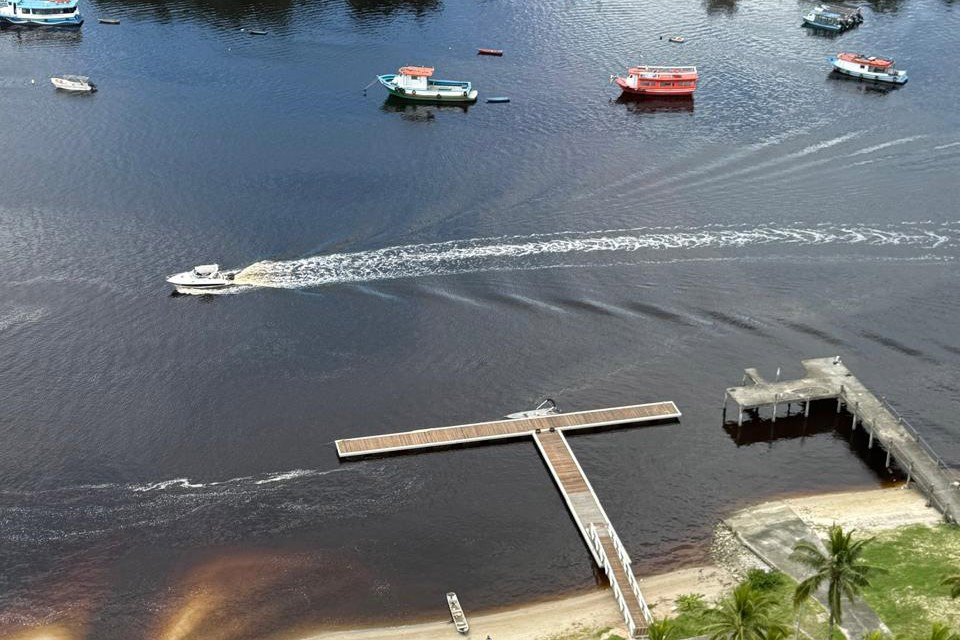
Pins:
x,y
543,250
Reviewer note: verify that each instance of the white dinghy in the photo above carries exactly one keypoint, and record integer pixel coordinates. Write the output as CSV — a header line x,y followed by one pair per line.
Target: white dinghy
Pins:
x,y
73,83
546,408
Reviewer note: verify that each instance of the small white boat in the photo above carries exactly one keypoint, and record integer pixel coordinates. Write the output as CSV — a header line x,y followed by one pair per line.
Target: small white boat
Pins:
x,y
203,277
73,83
456,612
677,39
868,67
546,408
418,83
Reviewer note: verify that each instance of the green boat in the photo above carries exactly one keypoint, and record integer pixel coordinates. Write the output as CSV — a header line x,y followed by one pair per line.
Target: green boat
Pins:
x,y
417,83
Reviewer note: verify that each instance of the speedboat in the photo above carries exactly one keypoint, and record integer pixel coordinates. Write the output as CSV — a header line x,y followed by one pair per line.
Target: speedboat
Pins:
x,y
80,84
868,67
417,83
658,81
41,13
203,277
546,408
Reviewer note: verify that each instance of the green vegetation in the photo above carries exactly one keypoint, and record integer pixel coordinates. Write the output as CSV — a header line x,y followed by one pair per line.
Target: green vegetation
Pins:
x,y
746,614
912,596
843,568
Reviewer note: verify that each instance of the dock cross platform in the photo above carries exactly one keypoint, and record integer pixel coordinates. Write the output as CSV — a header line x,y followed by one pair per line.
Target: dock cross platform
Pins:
x,y
548,434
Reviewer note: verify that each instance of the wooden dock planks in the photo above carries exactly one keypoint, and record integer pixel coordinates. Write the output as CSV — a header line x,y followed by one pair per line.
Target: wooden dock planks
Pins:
x,y
500,429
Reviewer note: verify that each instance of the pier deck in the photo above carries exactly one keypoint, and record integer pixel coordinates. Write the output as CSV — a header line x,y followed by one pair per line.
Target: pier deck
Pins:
x,y
828,378
584,505
503,429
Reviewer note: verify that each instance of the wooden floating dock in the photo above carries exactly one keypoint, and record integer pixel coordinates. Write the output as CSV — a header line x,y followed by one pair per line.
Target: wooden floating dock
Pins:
x,y
584,505
829,379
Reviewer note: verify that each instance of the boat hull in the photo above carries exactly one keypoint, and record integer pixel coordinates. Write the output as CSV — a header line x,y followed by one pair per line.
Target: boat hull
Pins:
x,y
437,91
654,91
838,66
826,27
21,21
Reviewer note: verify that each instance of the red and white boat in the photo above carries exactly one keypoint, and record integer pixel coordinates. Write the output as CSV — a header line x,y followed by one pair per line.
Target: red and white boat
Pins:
x,y
658,81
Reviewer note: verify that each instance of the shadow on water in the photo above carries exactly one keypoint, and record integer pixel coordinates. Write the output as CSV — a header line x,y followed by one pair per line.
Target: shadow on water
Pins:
x,y
850,84
419,111
656,104
823,420
824,34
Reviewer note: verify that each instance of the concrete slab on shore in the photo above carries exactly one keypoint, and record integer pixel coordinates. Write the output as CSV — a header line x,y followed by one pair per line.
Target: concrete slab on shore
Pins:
x,y
771,530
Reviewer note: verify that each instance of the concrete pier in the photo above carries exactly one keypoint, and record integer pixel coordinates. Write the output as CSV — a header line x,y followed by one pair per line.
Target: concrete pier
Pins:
x,y
829,379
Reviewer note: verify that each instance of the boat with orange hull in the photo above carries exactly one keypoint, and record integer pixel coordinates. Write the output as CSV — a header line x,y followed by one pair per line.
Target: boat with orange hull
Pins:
x,y
658,81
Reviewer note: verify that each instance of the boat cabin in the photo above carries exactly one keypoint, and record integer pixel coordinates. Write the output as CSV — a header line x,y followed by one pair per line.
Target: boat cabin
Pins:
x,y
871,64
413,78
206,270
662,77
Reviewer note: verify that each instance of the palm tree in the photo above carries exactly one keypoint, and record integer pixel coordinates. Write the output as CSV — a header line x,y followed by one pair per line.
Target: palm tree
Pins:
x,y
746,614
842,568
941,631
954,583
663,629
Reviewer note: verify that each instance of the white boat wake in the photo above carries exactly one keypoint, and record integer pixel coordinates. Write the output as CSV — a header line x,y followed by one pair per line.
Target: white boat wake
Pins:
x,y
542,250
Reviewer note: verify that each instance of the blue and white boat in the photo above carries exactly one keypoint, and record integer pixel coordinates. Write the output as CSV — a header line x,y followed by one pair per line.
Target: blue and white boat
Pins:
x,y
417,83
41,13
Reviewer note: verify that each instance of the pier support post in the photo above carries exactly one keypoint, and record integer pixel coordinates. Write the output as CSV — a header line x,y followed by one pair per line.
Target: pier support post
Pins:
x,y
909,474
887,465
724,406
870,441
775,398
839,404
740,418
806,409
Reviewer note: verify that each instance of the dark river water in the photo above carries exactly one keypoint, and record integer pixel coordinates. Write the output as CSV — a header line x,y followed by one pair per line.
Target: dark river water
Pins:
x,y
167,468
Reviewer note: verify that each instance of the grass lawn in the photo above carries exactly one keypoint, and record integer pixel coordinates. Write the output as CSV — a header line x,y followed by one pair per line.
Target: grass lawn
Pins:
x,y
909,599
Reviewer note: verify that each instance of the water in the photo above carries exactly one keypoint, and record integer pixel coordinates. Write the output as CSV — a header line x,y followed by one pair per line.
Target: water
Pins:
x,y
168,468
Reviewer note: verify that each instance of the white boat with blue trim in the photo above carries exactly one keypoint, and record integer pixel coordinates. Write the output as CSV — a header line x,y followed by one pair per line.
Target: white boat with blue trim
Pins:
x,y
41,13
417,83
868,68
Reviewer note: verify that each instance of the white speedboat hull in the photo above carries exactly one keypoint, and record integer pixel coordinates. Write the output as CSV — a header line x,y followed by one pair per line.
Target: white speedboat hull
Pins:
x,y
859,71
202,278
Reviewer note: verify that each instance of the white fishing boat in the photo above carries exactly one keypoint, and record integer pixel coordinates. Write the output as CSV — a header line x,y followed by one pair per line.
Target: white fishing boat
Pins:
x,y
418,83
203,277
868,67
73,83
456,612
546,408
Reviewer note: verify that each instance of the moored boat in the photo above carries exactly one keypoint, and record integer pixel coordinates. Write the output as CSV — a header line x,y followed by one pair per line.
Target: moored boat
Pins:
x,y
417,83
80,84
868,67
41,13
833,17
489,52
546,408
658,81
456,612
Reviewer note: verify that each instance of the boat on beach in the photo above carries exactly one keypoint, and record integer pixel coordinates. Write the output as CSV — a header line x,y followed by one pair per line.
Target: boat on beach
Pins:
x,y
41,13
417,83
203,277
456,612
865,67
79,84
658,81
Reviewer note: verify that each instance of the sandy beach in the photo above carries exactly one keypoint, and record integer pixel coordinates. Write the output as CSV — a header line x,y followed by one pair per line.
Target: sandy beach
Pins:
x,y
871,510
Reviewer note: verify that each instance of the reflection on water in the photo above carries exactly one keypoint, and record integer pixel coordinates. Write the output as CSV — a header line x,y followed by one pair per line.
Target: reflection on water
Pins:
x,y
858,85
46,36
720,6
825,34
380,8
420,111
656,104
273,12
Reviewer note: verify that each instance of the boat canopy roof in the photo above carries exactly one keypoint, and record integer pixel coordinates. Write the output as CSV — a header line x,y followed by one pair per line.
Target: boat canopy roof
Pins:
x,y
841,9
673,71
859,58
47,4
426,72
206,269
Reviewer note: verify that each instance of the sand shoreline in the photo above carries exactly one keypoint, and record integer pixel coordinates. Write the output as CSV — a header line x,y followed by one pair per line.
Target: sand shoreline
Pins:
x,y
867,510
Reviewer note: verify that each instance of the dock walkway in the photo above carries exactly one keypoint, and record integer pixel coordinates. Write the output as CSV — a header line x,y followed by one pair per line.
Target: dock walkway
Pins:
x,y
547,432
829,379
